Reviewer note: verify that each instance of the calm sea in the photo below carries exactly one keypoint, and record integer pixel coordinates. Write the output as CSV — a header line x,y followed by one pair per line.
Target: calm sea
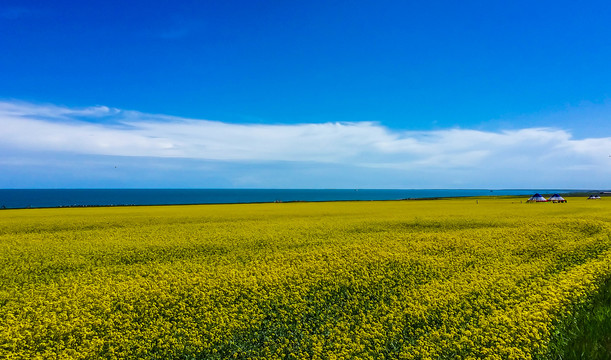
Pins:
x,y
11,199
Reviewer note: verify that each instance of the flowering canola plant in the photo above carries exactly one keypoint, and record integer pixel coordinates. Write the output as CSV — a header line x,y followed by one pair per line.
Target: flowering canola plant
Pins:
x,y
438,279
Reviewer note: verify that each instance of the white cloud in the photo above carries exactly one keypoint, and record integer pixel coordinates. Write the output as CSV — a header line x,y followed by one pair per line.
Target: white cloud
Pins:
x,y
53,112
101,130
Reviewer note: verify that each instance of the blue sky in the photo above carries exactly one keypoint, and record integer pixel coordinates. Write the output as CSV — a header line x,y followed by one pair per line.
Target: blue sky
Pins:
x,y
305,94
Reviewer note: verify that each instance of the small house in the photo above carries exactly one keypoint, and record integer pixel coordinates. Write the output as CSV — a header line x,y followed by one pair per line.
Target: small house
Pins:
x,y
537,198
556,198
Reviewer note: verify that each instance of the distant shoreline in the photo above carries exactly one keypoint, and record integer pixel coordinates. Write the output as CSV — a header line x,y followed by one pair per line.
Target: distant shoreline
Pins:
x,y
94,198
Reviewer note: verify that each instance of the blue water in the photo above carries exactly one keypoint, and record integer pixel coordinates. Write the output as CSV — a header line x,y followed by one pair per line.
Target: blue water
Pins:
x,y
119,197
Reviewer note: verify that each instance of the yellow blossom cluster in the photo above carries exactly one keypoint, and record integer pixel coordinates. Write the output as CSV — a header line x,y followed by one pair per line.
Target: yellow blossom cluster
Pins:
x,y
438,279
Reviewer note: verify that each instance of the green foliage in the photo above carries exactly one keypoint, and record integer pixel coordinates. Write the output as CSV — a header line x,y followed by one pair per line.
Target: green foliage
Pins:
x,y
586,332
451,279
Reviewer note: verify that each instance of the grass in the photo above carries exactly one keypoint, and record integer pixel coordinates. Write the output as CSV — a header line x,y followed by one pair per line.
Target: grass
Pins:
x,y
587,335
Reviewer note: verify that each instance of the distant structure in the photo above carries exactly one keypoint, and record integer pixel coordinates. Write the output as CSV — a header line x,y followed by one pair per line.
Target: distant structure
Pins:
x,y
594,197
556,198
537,198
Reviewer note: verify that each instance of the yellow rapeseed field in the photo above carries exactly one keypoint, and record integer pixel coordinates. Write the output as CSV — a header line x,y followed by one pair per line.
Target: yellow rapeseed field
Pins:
x,y
449,279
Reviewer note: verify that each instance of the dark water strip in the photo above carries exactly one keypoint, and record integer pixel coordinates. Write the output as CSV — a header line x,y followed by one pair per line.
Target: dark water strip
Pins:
x,y
37,198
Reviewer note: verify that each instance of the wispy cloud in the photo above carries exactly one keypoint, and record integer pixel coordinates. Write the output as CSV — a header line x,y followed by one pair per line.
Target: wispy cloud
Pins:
x,y
101,130
52,112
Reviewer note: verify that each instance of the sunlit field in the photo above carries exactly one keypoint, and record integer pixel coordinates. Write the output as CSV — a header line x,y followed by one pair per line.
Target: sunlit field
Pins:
x,y
464,278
